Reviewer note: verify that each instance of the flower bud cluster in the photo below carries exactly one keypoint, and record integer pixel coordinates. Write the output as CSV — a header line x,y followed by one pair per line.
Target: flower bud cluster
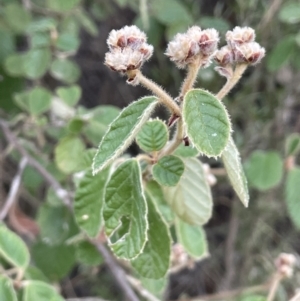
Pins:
x,y
186,48
240,48
128,49
285,264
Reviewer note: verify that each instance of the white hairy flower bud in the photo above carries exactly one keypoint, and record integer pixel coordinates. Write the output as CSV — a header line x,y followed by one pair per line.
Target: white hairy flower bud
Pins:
x,y
128,36
184,47
128,49
285,264
250,53
224,56
240,35
208,41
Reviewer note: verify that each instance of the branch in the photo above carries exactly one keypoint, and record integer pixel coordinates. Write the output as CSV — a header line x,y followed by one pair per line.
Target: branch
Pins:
x,y
229,252
14,189
61,193
136,284
117,272
228,295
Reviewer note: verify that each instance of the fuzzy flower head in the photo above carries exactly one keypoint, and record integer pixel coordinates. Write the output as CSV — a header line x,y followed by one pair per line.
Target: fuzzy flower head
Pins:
x,y
240,49
128,49
250,53
240,35
185,48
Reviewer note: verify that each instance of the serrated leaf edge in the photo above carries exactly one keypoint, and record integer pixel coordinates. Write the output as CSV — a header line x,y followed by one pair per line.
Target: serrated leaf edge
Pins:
x,y
145,216
129,140
164,222
245,200
229,120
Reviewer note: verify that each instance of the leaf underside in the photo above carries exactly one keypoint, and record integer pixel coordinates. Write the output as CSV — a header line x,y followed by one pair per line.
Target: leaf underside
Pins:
x,y
191,198
235,172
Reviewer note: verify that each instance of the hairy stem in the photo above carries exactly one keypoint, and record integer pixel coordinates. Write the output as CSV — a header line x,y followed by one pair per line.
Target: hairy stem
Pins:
x,y
274,286
14,189
163,96
190,77
175,142
232,81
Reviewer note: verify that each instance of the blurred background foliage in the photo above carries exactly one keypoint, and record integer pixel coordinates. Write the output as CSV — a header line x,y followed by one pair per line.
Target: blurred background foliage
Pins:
x,y
58,99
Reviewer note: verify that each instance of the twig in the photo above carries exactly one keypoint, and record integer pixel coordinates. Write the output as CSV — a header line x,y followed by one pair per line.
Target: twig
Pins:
x,y
14,189
229,252
163,96
136,284
61,193
231,82
296,297
274,286
228,295
118,273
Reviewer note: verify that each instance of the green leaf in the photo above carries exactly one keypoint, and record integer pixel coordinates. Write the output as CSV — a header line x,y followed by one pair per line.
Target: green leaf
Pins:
x,y
88,254
62,6
155,192
125,211
13,249
89,201
292,145
156,287
40,40
68,154
192,238
186,151
235,172
65,70
39,100
98,122
54,261
36,63
67,42
264,169
8,44
42,25
290,13
33,273
207,122
34,290
122,131
169,12
70,95
87,22
168,170
153,136
191,199
7,291
281,53
220,24
14,64
155,260
75,125
17,17
292,193
51,232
